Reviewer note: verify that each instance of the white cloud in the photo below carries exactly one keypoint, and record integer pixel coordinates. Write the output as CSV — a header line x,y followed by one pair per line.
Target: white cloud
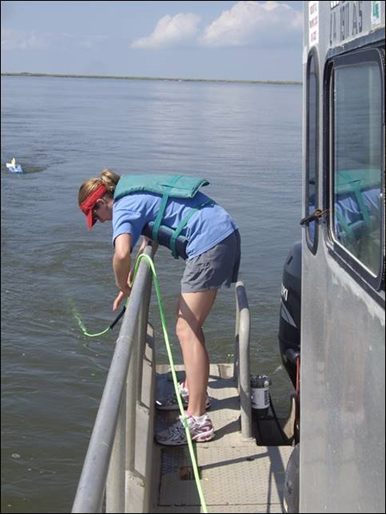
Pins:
x,y
29,39
171,31
22,40
248,23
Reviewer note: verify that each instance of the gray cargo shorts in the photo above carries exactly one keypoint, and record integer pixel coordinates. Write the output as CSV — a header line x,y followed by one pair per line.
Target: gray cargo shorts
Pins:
x,y
215,268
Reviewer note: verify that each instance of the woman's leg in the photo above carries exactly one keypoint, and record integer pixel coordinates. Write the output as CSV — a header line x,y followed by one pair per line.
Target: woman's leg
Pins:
x,y
193,309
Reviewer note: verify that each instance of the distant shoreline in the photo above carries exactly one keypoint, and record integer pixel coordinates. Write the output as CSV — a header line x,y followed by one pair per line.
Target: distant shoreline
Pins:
x,y
74,76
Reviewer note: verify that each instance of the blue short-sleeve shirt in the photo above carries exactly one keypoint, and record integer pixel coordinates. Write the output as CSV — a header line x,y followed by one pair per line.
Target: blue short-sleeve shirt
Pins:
x,y
205,229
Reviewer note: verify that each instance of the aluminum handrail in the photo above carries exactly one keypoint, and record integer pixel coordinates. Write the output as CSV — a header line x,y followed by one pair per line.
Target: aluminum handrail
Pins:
x,y
242,357
91,487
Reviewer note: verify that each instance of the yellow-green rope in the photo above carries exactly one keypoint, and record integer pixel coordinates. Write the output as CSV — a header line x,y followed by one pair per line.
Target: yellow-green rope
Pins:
x,y
174,377
171,363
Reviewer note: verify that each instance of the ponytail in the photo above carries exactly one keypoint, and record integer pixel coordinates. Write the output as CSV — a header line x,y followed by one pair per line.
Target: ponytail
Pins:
x,y
109,179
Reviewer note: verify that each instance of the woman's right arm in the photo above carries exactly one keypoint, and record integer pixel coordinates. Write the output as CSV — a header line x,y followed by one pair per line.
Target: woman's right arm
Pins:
x,y
121,266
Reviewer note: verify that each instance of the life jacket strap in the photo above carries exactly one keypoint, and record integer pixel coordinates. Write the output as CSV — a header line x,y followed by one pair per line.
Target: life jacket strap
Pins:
x,y
364,211
163,205
182,224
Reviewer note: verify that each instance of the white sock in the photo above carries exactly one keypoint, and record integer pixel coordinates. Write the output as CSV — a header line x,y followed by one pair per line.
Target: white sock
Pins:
x,y
200,419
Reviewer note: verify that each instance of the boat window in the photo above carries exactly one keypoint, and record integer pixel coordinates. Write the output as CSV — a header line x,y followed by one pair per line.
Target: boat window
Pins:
x,y
356,201
311,165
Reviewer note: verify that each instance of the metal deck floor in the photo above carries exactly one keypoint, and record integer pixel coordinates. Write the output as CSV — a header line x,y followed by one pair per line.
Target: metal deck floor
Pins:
x,y
237,475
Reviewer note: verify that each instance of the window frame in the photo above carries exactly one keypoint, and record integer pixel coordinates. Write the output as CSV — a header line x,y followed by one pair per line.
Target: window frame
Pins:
x,y
313,56
341,254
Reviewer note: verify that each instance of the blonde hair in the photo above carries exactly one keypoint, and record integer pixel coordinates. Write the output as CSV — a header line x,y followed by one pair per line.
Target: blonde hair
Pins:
x,y
108,178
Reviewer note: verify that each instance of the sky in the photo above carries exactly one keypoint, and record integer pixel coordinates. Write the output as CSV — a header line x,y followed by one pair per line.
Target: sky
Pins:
x,y
245,40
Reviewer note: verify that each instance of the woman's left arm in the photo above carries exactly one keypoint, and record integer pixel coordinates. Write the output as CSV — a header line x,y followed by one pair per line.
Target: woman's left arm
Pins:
x,y
144,244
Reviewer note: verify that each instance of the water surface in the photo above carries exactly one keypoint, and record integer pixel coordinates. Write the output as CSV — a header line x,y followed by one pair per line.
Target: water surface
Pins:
x,y
244,138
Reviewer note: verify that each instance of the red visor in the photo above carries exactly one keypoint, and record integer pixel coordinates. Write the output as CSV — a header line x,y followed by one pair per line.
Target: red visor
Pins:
x,y
89,203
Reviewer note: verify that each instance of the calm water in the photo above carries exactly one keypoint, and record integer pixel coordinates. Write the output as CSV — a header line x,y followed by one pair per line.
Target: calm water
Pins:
x,y
245,139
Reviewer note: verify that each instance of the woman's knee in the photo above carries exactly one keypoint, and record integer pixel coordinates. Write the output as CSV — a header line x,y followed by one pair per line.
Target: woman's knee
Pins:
x,y
184,331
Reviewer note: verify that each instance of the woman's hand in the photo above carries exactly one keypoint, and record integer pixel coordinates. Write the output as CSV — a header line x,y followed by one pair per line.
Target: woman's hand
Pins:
x,y
120,297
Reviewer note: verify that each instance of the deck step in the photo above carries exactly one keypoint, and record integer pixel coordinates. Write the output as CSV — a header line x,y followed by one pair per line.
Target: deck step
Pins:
x,y
237,475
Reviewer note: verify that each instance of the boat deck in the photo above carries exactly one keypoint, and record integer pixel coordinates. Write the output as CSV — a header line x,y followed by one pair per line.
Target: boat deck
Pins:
x,y
237,475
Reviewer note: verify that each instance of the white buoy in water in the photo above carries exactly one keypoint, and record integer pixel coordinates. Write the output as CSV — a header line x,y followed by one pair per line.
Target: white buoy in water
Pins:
x,y
13,167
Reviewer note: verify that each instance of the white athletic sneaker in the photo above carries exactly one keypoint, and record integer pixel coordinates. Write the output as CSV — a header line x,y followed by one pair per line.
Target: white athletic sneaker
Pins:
x,y
170,403
201,430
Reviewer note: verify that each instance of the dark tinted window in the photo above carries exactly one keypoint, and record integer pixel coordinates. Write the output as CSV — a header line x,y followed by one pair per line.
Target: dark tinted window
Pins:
x,y
312,148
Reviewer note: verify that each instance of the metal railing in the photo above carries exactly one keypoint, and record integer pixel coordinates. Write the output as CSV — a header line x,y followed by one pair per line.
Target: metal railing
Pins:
x,y
115,457
118,464
242,357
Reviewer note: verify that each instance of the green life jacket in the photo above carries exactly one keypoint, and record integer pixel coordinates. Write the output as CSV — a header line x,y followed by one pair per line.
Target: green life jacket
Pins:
x,y
355,182
167,186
